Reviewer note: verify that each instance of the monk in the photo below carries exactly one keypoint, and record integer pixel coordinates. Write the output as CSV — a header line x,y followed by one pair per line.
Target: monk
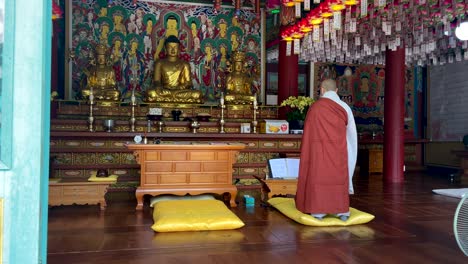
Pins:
x,y
328,156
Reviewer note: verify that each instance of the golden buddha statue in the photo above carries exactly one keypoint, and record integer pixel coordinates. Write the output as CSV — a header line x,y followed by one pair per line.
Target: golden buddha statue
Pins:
x,y
238,83
172,80
100,79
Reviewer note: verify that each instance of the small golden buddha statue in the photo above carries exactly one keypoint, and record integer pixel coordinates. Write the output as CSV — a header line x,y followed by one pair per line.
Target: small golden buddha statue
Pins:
x,y
172,80
100,79
238,82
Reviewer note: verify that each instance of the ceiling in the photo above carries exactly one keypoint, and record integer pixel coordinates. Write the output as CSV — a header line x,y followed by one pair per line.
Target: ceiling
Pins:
x,y
425,28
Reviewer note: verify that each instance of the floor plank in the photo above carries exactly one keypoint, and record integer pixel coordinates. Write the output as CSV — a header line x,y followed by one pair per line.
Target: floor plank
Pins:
x,y
412,225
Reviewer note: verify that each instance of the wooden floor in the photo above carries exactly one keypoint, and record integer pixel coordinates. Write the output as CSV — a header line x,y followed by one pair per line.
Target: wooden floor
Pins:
x,y
412,225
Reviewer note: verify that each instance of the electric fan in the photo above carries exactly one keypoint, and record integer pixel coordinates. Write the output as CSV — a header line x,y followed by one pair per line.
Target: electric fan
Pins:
x,y
460,224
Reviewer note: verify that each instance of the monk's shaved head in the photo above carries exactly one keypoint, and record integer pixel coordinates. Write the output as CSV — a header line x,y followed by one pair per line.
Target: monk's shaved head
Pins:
x,y
329,85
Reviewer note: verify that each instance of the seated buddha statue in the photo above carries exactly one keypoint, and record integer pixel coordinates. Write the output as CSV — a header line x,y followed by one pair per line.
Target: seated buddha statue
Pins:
x,y
100,79
172,80
238,83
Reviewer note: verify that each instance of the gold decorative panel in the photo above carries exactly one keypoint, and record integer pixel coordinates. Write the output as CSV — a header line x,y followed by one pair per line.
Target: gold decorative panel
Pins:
x,y
243,158
107,158
84,158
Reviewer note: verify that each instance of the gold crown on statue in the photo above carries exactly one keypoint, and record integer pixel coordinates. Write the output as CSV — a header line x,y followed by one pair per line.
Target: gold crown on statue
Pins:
x,y
238,56
101,49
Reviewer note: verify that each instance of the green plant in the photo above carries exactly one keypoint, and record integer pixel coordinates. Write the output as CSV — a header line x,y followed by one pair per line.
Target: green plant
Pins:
x,y
298,105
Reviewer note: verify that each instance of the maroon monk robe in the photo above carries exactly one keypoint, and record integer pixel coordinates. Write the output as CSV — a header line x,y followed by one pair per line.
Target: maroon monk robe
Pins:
x,y
323,170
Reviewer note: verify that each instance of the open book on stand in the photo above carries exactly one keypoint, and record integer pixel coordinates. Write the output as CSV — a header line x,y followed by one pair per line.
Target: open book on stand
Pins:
x,y
284,168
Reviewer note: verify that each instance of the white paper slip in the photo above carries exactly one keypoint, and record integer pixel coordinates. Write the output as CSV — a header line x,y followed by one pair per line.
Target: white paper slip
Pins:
x,y
284,168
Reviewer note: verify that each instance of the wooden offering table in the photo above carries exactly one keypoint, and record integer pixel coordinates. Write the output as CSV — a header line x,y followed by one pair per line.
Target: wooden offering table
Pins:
x,y
76,192
281,187
187,168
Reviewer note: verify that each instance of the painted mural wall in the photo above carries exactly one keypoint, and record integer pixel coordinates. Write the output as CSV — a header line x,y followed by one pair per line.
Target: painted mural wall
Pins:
x,y
135,32
362,87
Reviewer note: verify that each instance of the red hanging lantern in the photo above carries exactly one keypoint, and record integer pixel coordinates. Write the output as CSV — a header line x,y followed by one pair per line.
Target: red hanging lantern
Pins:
x,y
288,3
315,18
56,11
304,27
286,34
336,5
325,11
350,2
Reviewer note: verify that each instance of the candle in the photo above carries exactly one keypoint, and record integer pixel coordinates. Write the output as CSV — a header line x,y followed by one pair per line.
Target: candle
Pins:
x,y
133,98
91,94
255,101
221,100
148,126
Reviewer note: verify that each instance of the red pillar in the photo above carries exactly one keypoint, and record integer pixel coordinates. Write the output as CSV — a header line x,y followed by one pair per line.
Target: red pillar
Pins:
x,y
394,116
288,68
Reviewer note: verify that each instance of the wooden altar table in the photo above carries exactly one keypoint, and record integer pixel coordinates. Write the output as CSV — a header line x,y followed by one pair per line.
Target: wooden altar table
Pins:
x,y
185,169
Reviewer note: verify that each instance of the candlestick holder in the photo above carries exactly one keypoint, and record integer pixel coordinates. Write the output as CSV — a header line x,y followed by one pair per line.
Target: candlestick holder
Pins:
x,y
132,118
221,121
254,121
91,117
194,125
160,125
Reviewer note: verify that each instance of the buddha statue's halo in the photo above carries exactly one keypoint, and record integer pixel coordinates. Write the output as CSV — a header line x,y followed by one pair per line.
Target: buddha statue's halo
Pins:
x,y
208,42
114,36
148,17
132,37
118,11
222,19
172,15
105,21
225,43
193,20
235,31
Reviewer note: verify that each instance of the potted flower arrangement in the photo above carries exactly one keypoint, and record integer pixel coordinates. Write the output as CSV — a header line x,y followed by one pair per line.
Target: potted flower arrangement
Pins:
x,y
299,106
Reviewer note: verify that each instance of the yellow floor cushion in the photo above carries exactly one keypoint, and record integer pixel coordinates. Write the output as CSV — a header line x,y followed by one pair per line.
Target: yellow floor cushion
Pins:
x,y
287,206
170,197
94,178
193,215
110,178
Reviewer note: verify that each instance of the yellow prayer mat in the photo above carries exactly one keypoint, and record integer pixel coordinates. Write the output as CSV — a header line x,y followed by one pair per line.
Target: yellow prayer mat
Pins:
x,y
287,206
110,178
193,215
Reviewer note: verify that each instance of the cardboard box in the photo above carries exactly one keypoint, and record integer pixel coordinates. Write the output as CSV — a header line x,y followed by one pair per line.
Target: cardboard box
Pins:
x,y
273,126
